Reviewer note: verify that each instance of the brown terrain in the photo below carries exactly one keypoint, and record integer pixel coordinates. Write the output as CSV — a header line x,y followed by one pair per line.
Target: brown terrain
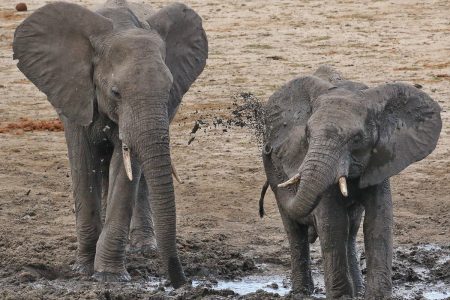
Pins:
x,y
255,47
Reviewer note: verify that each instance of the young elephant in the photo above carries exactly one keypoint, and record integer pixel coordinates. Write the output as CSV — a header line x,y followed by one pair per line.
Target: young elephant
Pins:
x,y
116,78
322,130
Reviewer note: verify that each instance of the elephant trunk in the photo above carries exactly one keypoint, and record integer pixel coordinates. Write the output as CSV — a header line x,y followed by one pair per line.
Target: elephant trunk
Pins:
x,y
318,172
152,145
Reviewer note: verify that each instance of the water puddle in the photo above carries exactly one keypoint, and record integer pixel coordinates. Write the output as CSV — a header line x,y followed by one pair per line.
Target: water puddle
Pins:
x,y
281,285
436,295
250,284
428,291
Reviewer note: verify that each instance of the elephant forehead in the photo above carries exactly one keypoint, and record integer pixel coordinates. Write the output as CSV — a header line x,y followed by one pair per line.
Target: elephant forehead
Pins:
x,y
342,107
135,42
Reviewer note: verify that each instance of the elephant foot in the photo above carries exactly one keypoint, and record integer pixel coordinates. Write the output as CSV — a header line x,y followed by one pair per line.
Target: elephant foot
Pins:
x,y
111,277
86,269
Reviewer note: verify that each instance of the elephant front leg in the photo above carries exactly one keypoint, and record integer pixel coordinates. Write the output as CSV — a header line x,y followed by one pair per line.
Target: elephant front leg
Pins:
x,y
302,282
86,181
355,214
378,222
332,225
110,257
142,235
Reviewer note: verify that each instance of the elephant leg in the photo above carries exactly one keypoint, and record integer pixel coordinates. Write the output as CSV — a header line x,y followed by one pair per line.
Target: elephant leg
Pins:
x,y
332,225
297,232
142,235
302,282
378,222
86,181
105,162
110,257
354,215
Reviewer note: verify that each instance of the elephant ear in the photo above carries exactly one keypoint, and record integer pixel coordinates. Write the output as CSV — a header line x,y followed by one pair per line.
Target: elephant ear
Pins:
x,y
186,47
286,115
409,124
53,46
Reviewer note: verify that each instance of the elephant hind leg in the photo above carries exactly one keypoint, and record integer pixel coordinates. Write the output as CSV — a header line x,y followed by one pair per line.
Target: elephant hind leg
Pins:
x,y
109,262
142,235
104,170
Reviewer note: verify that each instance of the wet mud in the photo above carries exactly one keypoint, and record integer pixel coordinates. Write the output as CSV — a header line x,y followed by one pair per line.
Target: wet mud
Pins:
x,y
419,272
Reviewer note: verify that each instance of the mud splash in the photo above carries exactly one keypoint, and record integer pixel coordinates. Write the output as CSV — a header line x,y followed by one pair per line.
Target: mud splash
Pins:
x,y
246,111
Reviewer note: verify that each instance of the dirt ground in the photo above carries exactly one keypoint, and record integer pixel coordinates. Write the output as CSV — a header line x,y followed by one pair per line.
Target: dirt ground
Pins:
x,y
255,47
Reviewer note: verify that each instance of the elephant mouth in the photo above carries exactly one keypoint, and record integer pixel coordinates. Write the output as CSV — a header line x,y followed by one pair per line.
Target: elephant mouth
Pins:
x,y
126,153
342,182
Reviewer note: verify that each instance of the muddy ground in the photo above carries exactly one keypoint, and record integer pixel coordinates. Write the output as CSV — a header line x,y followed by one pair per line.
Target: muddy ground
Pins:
x,y
255,46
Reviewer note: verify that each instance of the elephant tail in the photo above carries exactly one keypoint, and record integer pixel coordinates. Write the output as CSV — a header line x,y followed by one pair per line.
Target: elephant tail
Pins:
x,y
261,199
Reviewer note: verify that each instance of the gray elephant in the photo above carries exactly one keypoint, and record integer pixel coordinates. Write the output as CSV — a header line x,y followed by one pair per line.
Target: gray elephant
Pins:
x,y
330,147
116,78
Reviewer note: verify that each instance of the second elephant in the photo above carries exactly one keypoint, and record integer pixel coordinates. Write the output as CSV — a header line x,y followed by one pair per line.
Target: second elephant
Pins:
x,y
330,147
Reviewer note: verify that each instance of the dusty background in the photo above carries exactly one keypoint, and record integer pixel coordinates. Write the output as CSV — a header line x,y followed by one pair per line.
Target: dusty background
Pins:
x,y
255,46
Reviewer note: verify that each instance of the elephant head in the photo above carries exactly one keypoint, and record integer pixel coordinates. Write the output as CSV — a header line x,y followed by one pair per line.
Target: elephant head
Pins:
x,y
132,71
323,129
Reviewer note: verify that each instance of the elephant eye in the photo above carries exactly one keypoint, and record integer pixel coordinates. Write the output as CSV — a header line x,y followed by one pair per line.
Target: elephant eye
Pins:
x,y
307,134
115,92
358,138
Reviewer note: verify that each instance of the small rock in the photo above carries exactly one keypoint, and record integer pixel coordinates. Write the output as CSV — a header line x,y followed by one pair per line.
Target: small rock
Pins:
x,y
21,7
26,277
248,264
273,285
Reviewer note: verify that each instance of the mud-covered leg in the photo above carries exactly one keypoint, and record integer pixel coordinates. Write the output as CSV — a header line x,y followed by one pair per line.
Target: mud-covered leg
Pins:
x,y
378,222
110,257
86,181
302,282
355,214
142,236
332,225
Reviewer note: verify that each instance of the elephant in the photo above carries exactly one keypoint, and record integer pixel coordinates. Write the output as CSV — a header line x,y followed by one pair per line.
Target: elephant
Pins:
x,y
330,147
116,77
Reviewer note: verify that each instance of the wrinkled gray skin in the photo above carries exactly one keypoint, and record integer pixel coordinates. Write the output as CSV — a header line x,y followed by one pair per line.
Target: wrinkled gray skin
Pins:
x,y
116,77
324,127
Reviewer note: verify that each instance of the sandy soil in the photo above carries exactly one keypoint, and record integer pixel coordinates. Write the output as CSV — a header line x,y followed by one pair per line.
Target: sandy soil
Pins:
x,y
255,46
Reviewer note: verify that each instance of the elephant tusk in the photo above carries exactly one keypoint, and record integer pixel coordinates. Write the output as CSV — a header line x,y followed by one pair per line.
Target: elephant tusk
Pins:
x,y
175,174
343,186
127,161
293,180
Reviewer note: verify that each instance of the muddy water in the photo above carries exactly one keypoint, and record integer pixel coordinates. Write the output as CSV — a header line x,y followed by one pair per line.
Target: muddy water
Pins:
x,y
419,272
